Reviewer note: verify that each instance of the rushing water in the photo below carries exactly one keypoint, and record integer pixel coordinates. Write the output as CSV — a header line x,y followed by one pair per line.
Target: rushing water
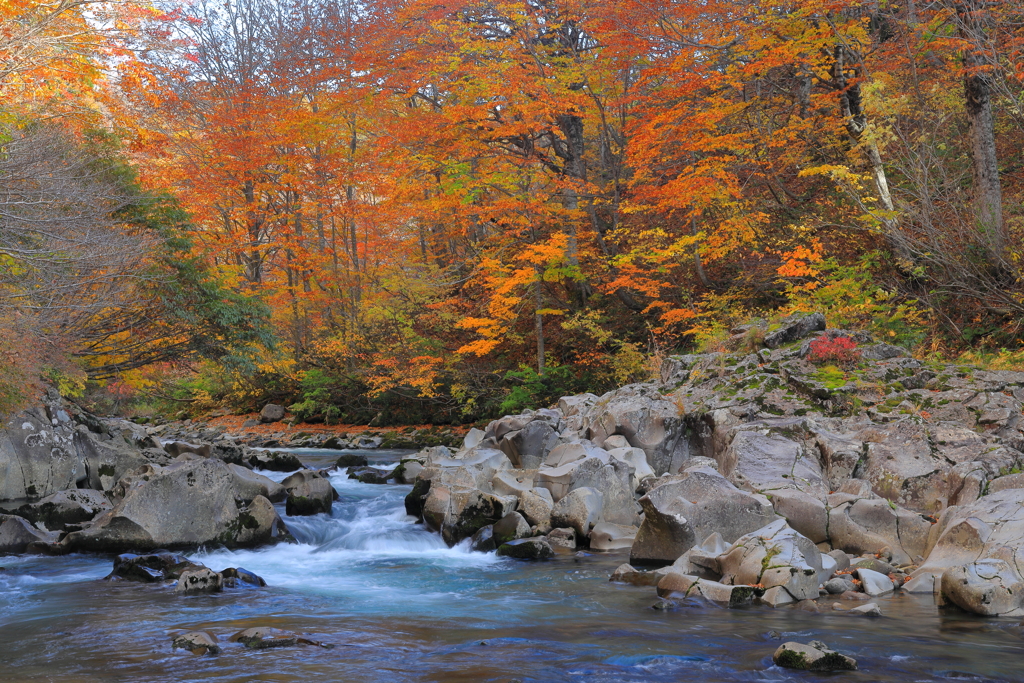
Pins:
x,y
400,606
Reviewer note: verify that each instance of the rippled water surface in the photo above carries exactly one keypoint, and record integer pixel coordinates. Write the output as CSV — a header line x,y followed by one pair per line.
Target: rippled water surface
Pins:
x,y
400,606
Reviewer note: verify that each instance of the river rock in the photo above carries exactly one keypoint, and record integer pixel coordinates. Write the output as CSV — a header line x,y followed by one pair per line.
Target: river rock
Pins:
x,y
815,656
564,538
527,549
483,540
681,512
470,511
648,420
675,584
151,567
176,448
868,525
275,461
309,493
803,512
236,577
415,499
990,587
66,507
272,413
510,527
607,536
873,583
16,534
536,508
528,446
250,484
263,638
38,454
614,482
370,475
197,642
199,580
579,510
866,610
703,560
757,459
626,573
840,584
774,555
186,504
351,460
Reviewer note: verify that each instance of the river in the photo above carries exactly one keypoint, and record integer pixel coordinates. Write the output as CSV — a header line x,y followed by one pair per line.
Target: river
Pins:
x,y
398,605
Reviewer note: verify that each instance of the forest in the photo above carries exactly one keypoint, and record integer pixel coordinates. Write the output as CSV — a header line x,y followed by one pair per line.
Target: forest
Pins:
x,y
440,211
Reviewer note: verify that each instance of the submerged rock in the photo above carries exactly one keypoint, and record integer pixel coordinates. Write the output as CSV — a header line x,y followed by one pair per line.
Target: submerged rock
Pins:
x,y
151,567
815,656
263,637
199,580
527,549
197,642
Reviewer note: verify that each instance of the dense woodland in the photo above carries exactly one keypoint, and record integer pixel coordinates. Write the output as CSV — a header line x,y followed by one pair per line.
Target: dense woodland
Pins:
x,y
407,211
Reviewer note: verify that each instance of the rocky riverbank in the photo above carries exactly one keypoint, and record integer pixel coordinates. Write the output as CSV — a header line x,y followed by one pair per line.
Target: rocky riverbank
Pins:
x,y
762,476
765,475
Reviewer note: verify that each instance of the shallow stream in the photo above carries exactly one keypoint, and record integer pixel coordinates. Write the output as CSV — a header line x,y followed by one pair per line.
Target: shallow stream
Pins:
x,y
400,606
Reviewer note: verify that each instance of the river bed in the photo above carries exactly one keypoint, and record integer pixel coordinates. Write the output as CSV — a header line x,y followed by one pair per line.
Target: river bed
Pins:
x,y
398,605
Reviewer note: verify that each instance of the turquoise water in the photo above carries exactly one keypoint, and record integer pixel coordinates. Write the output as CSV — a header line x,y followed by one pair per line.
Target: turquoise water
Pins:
x,y
400,606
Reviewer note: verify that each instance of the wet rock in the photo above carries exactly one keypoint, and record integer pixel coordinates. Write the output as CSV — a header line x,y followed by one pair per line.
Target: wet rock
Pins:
x,y
275,461
867,610
272,413
186,504
676,584
263,638
351,460
483,540
369,475
151,567
988,587
236,577
565,538
840,585
681,512
199,580
815,656
407,471
414,499
527,549
626,573
197,642
605,536
510,527
309,493
478,510
580,510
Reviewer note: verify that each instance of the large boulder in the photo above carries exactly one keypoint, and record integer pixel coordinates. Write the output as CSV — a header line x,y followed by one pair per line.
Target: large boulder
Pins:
x,y
73,506
185,505
580,510
272,413
647,419
774,556
309,493
528,446
614,482
902,468
16,533
38,456
758,459
869,525
685,510
990,587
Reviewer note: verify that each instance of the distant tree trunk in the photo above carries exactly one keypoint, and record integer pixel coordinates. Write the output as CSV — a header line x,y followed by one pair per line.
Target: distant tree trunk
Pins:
x,y
974,24
539,324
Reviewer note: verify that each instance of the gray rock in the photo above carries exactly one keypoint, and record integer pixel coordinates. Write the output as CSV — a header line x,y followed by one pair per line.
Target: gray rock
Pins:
x,y
804,513
815,656
199,580
184,505
757,460
626,573
869,525
510,527
579,510
483,540
990,587
614,482
16,534
477,511
840,585
536,509
264,638
874,583
775,555
197,642
527,549
73,506
794,328
309,493
272,413
151,568
236,577
679,513
867,610
565,538
606,536
883,352
275,461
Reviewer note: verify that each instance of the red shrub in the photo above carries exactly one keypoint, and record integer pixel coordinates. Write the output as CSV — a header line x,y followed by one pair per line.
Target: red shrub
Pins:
x,y
839,350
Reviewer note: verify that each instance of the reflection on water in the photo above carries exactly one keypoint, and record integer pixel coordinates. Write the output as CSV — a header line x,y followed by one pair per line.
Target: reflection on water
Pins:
x,y
401,606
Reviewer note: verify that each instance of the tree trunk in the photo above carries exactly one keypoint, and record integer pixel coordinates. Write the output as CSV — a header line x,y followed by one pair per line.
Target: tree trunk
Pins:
x,y
974,24
539,325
